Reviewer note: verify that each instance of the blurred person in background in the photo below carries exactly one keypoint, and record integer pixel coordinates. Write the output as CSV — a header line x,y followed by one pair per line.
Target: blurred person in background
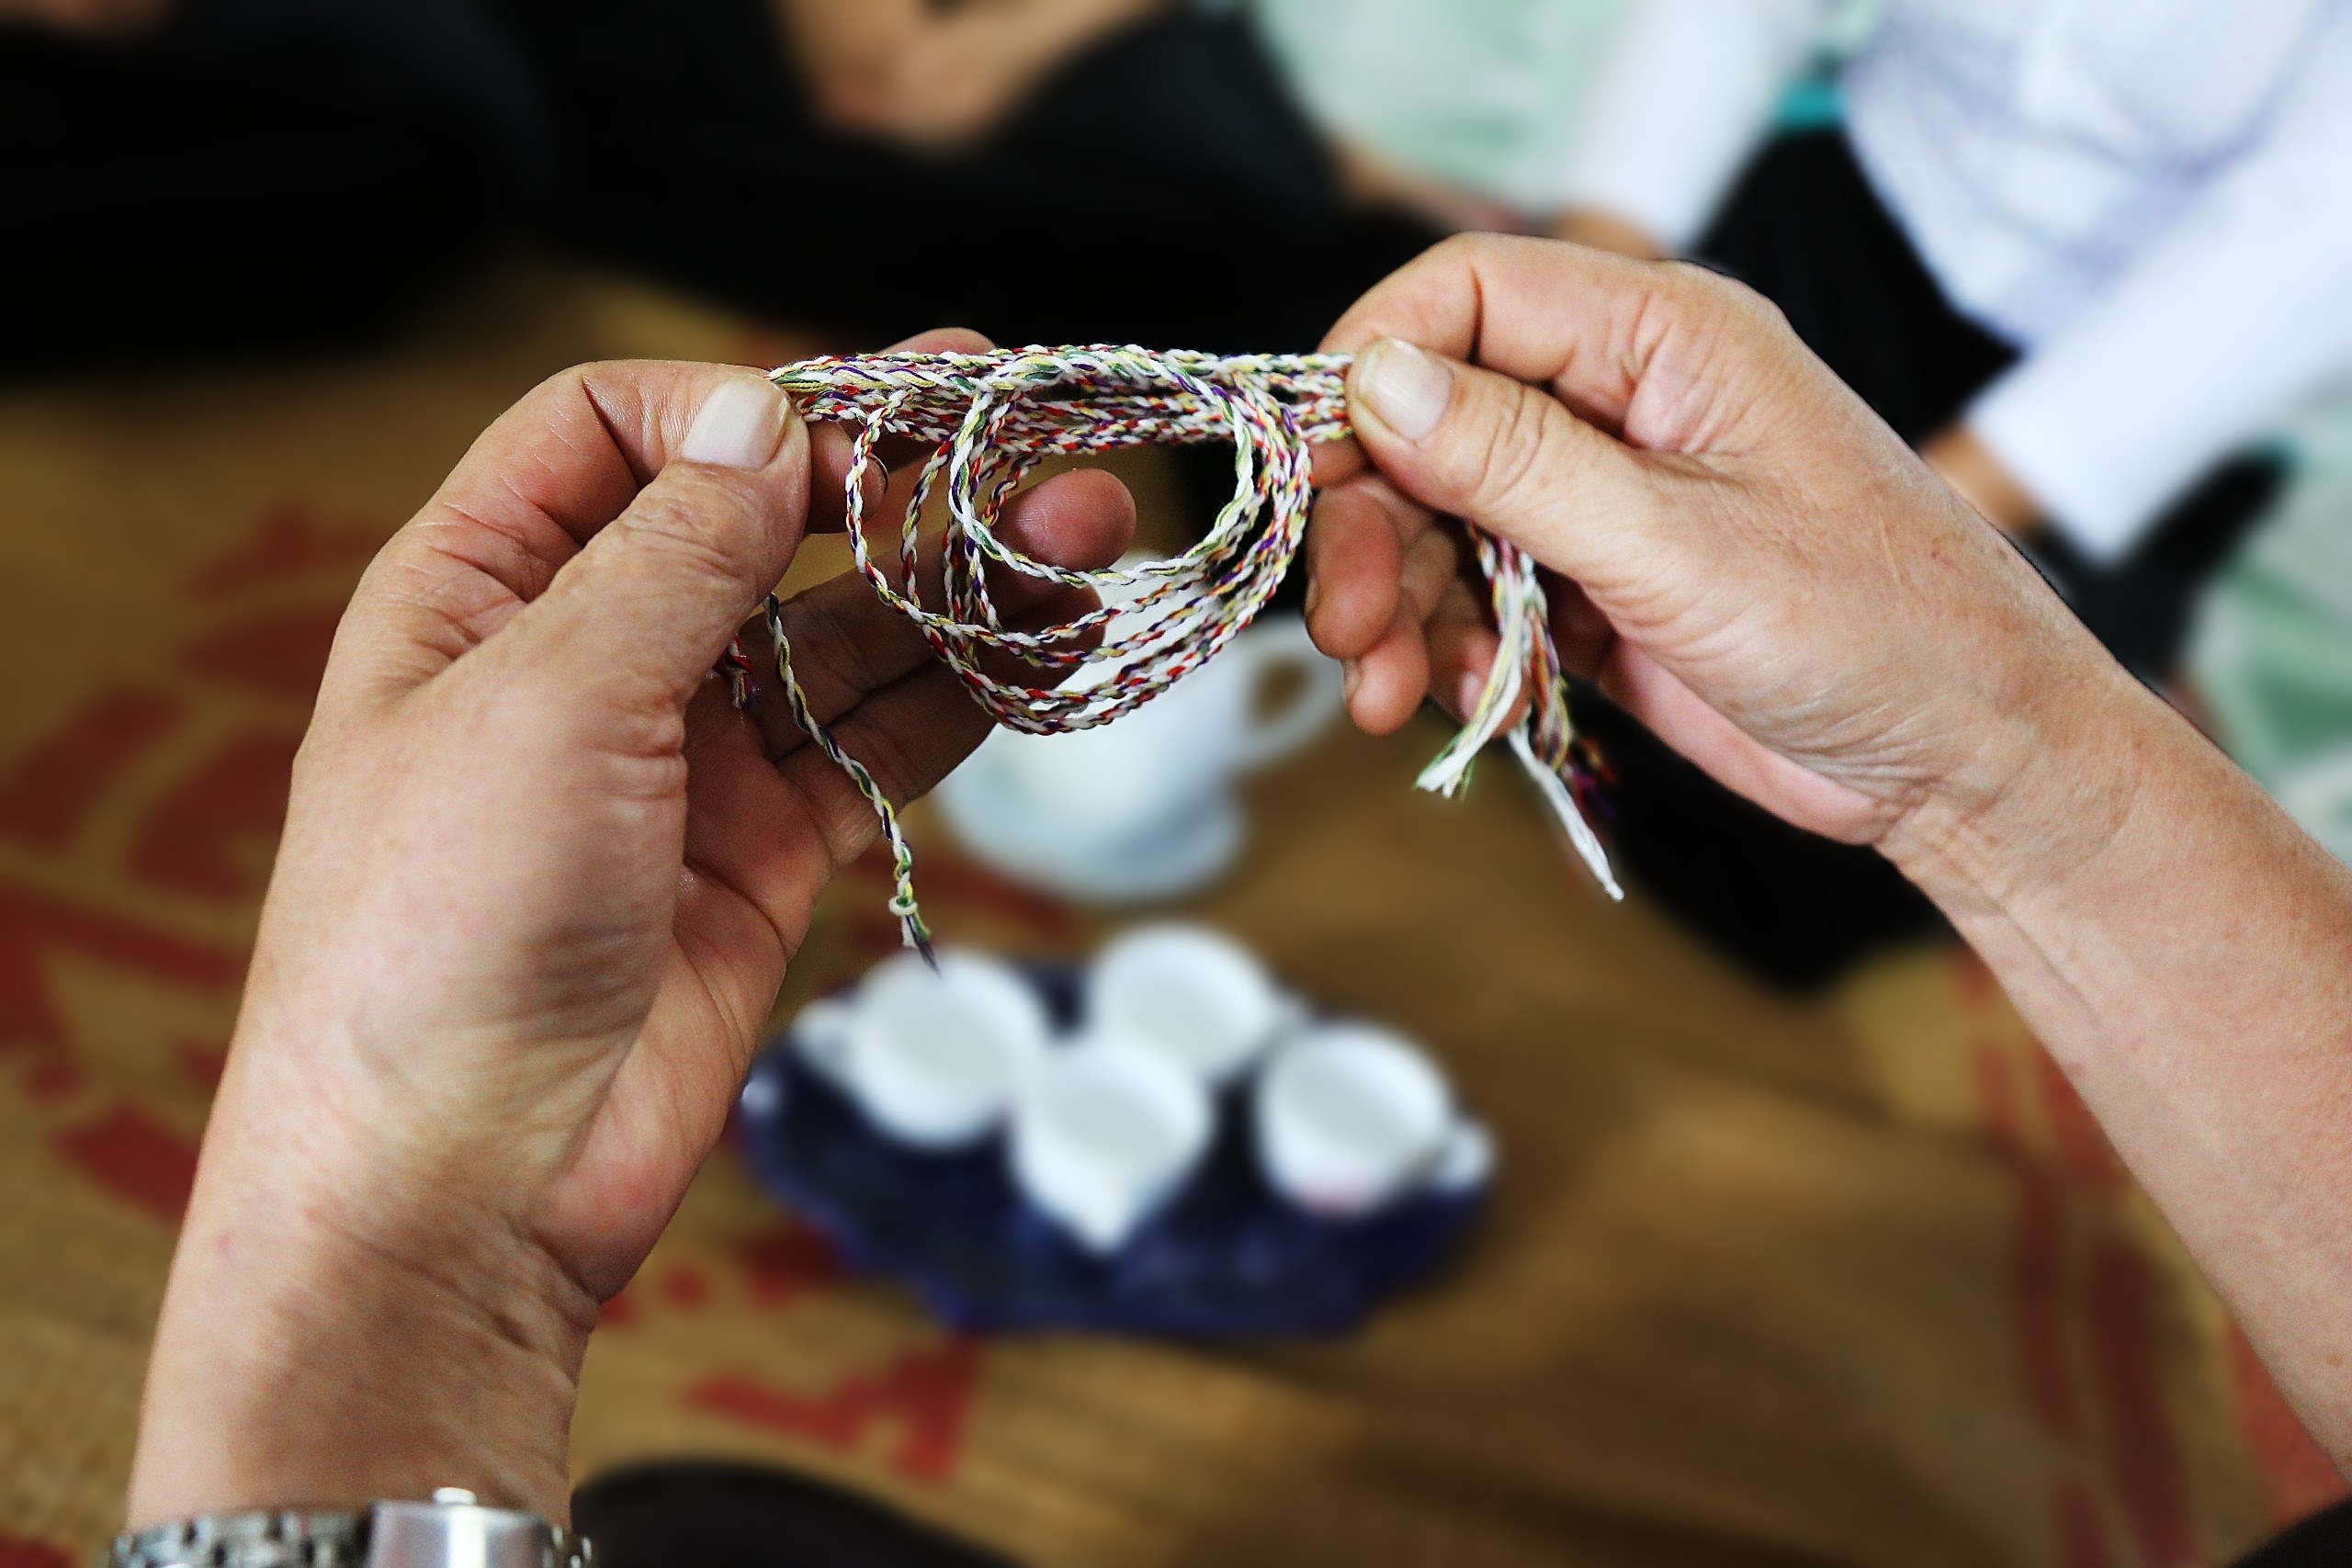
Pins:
x,y
2079,252
227,177
1054,171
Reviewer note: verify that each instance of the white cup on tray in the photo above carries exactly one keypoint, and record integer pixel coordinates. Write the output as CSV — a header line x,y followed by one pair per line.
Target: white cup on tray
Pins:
x,y
1143,808
1198,998
1105,1136
934,1060
1351,1118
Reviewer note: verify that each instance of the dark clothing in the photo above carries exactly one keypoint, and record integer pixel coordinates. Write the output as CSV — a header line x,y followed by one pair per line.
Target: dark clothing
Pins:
x,y
1805,229
2323,1540
1162,189
263,176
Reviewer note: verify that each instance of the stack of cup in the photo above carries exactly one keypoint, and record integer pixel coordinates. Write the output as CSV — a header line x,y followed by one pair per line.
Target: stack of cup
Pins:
x,y
1103,1129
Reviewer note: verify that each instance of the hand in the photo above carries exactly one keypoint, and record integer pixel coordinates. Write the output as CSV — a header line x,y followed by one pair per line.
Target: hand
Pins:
x,y
964,74
845,47
1984,483
1751,563
538,885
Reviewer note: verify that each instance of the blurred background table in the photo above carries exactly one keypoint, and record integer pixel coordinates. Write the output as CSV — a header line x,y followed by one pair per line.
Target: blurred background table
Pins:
x,y
1848,1279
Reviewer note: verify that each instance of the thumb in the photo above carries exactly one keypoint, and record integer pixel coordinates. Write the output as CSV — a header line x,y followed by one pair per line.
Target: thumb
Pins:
x,y
659,592
1496,452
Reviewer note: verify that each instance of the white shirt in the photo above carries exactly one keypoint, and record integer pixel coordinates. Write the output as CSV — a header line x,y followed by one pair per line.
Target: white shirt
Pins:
x,y
2151,199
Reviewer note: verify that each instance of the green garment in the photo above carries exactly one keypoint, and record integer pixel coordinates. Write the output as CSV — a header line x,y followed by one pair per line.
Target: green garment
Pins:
x,y
2271,655
1483,94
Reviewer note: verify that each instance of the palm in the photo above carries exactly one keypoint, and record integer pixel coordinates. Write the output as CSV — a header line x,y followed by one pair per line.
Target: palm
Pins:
x,y
755,861
652,859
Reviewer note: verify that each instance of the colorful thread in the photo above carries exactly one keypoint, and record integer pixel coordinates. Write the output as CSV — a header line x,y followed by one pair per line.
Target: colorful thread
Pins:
x,y
990,418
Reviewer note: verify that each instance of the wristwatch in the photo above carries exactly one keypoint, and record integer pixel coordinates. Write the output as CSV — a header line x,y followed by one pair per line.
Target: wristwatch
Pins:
x,y
453,1530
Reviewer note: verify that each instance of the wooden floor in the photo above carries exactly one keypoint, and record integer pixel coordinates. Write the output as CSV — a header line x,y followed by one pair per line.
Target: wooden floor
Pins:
x,y
1850,1281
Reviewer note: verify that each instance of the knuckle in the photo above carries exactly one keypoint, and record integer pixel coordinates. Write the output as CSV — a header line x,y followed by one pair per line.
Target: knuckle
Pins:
x,y
1508,460
679,529
1729,298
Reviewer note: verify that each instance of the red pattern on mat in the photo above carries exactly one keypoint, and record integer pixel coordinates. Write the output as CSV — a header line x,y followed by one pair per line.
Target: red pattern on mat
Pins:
x,y
48,796
2038,1262
15,1551
145,1161
212,835
2143,1453
34,925
290,540
280,655
2085,1543
787,1263
926,1394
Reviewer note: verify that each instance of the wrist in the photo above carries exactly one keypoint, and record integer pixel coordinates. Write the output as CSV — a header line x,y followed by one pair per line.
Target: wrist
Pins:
x,y
333,1334
2045,780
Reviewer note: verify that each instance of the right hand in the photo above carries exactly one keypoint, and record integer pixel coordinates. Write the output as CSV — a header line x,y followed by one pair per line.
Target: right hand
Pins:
x,y
1750,561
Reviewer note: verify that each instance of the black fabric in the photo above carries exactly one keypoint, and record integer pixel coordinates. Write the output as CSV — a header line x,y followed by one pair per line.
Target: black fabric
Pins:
x,y
1804,228
2323,1540
695,1515
1161,189
261,175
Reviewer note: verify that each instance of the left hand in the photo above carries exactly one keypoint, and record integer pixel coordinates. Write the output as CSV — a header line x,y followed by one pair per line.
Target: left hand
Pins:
x,y
537,888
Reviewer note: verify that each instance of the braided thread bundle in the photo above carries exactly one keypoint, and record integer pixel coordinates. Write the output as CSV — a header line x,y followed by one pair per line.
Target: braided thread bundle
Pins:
x,y
991,418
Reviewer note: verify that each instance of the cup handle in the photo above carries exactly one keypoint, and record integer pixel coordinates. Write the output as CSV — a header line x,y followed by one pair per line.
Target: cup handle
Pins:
x,y
1277,644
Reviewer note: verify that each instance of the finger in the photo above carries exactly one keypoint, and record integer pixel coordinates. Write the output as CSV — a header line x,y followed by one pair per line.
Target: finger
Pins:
x,y
1354,553
639,615
908,736
847,643
1586,324
532,490
1580,631
1462,648
830,443
1505,456
1388,683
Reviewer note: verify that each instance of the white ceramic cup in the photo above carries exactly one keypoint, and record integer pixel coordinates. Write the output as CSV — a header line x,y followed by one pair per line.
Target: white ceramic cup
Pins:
x,y
936,1060
1197,998
1350,1118
821,1034
1142,809
1105,1135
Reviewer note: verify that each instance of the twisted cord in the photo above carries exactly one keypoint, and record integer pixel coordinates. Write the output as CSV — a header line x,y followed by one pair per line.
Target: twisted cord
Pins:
x,y
990,418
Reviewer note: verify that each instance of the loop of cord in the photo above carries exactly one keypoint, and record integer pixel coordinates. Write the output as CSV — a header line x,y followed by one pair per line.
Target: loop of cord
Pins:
x,y
990,418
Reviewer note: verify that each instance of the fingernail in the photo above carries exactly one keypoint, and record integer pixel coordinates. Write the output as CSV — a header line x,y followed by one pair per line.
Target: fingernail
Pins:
x,y
739,427
1314,597
1350,673
1406,389
1473,687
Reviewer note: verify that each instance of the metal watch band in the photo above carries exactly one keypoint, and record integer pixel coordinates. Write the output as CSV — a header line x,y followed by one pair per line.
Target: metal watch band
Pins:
x,y
450,1529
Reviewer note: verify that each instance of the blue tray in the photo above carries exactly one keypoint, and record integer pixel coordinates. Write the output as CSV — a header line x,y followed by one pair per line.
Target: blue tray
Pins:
x,y
1229,1259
